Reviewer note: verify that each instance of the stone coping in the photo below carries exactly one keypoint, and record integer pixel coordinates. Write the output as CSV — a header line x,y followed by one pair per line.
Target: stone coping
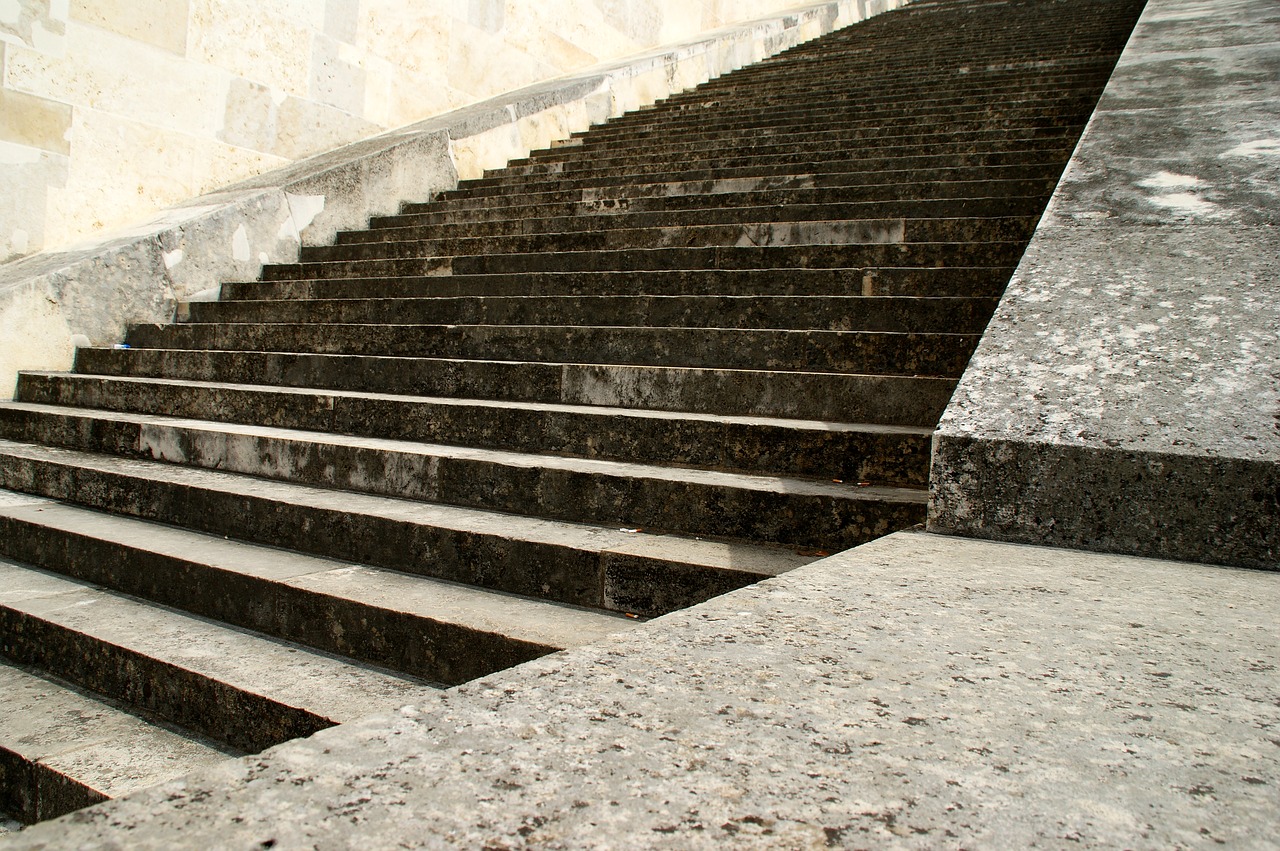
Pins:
x,y
921,691
1126,396
53,301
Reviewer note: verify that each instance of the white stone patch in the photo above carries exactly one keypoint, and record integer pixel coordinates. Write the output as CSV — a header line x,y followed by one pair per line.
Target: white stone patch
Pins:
x,y
1169,180
45,41
80,341
59,10
1256,148
172,258
10,11
11,154
211,294
1185,202
303,210
19,240
240,245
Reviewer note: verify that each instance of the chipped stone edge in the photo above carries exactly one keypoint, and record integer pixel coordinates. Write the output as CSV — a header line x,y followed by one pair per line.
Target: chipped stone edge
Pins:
x,y
52,302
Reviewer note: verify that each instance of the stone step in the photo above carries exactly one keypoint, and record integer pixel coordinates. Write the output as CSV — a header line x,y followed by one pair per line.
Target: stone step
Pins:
x,y
985,282
818,313
852,452
436,631
851,163
746,233
879,399
791,175
687,501
868,352
902,254
62,748
627,570
599,218
735,154
229,684
772,192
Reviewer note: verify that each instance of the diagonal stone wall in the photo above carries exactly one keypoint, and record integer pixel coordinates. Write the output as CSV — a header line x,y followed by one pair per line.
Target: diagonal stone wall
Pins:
x,y
1126,396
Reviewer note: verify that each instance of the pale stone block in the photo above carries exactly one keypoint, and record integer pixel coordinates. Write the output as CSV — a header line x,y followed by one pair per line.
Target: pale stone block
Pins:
x,y
304,127
35,121
483,66
251,42
111,73
407,37
487,15
526,32
334,81
38,25
36,336
490,149
342,20
27,182
639,20
218,165
160,23
415,96
250,117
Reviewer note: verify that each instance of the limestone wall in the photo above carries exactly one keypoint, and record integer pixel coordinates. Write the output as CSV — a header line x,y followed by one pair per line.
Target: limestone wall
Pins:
x,y
111,110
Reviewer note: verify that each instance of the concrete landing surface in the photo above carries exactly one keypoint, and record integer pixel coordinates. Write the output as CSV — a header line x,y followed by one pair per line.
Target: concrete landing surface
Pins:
x,y
918,691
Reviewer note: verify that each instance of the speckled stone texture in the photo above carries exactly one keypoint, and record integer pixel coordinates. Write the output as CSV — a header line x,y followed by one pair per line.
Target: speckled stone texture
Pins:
x,y
920,691
1126,396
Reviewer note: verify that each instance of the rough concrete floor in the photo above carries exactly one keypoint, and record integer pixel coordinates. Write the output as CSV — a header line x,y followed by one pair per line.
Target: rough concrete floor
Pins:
x,y
919,691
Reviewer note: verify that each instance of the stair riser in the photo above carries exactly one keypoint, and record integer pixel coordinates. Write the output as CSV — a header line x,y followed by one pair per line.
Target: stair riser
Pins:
x,y
31,791
972,282
245,720
435,651
602,498
755,234
889,400
542,571
884,458
958,316
856,352
935,255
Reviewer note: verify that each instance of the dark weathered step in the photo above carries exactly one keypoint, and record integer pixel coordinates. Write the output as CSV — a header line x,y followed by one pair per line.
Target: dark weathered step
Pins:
x,y
439,631
820,313
1013,163
881,399
900,254
235,686
850,451
600,567
983,282
689,501
949,210
712,194
881,353
745,233
62,748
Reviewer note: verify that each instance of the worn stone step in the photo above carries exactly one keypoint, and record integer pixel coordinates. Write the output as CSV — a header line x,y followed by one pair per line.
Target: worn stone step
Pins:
x,y
819,313
830,450
882,353
901,254
62,748
789,176
710,194
729,154
986,281
232,685
438,631
1015,163
686,501
628,569
606,218
746,233
880,399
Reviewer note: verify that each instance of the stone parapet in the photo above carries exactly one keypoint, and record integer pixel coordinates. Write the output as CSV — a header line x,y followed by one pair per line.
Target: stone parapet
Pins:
x,y
1126,396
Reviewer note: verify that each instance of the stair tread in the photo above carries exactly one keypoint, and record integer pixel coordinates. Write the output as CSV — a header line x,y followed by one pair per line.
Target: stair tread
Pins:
x,y
88,739
764,560
282,672
553,625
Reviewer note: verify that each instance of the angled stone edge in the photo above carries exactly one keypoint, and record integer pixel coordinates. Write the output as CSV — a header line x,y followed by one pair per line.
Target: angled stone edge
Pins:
x,y
1158,504
52,301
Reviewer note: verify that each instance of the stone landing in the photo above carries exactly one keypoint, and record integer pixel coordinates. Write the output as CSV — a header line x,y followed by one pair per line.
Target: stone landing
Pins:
x,y
1126,396
921,691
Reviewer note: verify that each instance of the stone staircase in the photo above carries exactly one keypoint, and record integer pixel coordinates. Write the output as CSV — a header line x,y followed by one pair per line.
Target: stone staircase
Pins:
x,y
693,348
